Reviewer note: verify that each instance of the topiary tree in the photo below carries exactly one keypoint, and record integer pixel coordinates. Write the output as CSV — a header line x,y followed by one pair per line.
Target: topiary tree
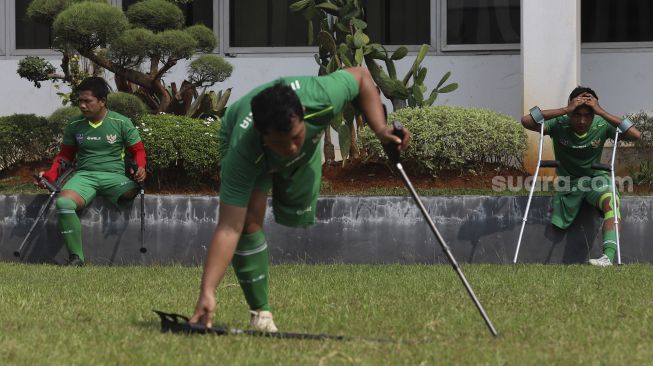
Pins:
x,y
138,46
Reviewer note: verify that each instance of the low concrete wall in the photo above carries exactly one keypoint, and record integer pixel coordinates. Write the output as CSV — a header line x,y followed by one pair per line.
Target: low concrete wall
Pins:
x,y
349,230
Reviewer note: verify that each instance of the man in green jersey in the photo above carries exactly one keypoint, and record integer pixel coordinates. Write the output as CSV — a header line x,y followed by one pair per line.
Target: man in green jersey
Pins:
x,y
579,131
270,139
97,140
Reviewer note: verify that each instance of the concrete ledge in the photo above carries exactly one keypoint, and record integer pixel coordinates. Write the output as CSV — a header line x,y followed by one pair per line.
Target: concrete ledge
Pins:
x,y
478,229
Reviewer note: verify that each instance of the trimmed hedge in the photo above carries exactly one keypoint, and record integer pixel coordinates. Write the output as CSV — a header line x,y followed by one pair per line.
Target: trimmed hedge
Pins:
x,y
180,148
59,118
127,104
25,138
644,124
446,138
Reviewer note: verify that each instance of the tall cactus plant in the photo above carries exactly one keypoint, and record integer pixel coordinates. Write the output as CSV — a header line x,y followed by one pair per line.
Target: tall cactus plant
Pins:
x,y
342,42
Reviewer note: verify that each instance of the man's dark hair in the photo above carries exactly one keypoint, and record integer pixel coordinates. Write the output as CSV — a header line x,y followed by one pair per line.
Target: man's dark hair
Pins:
x,y
273,108
96,85
582,90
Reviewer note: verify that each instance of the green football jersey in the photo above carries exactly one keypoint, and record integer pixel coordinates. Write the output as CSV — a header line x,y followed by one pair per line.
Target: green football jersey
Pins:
x,y
101,147
576,153
245,159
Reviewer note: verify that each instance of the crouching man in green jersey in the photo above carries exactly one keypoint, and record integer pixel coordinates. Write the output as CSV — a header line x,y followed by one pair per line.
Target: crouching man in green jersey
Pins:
x,y
579,131
96,140
270,139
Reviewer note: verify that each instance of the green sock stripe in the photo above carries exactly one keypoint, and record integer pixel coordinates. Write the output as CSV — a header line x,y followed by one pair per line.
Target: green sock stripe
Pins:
x,y
258,249
251,241
608,215
258,278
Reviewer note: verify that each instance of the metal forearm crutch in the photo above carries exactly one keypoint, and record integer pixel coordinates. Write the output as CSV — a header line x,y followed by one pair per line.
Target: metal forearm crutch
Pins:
x,y
141,187
54,190
610,168
393,155
538,118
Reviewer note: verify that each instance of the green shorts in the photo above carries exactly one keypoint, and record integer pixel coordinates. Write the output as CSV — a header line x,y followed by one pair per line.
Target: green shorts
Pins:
x,y
111,186
294,196
568,200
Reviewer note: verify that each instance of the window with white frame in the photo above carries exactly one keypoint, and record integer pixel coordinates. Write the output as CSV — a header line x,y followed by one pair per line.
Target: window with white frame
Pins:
x,y
612,21
405,22
482,22
29,34
259,24
267,23
5,20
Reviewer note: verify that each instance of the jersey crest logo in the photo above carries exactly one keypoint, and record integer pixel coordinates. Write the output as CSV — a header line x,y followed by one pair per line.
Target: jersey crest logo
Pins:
x,y
79,137
565,142
596,143
111,139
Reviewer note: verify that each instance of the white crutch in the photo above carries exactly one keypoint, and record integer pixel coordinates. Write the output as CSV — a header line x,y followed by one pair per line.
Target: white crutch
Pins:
x,y
536,113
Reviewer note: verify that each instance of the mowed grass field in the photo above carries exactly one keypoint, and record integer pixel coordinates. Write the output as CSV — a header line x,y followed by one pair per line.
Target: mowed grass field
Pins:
x,y
545,314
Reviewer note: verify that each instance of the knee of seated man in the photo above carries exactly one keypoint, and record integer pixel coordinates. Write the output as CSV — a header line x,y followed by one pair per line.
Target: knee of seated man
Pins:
x,y
129,195
65,203
606,205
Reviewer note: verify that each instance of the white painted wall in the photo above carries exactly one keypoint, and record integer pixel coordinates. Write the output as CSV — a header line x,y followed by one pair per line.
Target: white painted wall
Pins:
x,y
621,79
485,81
550,53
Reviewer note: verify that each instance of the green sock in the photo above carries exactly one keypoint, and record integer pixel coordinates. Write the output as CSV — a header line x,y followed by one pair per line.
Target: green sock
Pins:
x,y
70,226
251,265
610,244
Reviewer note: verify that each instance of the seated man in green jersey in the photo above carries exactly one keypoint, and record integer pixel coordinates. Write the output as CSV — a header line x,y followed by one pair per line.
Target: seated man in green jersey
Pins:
x,y
270,140
96,140
579,131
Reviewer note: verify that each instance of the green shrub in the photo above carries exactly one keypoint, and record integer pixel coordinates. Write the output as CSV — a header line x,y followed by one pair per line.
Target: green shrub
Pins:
x,y
25,138
644,124
447,138
59,118
127,104
180,149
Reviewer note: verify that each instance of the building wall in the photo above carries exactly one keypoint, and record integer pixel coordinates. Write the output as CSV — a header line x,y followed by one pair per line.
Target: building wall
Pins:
x,y
621,79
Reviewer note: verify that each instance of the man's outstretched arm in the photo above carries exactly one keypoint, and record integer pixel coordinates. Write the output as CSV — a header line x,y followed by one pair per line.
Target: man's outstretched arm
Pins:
x,y
529,122
221,250
67,153
369,101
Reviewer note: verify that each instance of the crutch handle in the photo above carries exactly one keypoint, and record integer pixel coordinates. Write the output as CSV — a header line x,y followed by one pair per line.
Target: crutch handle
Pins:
x,y
51,187
391,148
549,164
605,167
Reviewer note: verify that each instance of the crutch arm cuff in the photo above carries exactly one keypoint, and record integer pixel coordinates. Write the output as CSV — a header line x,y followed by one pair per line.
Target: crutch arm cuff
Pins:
x,y
625,125
537,115
66,153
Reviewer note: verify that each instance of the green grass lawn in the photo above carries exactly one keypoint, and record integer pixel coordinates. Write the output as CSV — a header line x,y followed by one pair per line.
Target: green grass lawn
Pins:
x,y
546,314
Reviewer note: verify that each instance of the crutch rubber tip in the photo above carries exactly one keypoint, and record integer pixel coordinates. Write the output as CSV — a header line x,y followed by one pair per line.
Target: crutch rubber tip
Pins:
x,y
17,254
143,250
